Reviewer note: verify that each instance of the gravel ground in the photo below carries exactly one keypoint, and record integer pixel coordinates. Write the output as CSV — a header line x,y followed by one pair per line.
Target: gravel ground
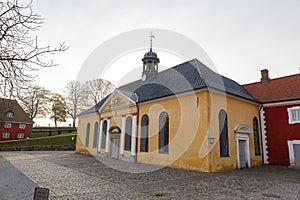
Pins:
x,y
73,176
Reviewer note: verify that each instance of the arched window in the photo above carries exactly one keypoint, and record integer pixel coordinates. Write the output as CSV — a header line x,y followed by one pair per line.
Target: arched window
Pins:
x,y
163,141
87,135
128,132
256,136
223,128
104,132
144,134
95,135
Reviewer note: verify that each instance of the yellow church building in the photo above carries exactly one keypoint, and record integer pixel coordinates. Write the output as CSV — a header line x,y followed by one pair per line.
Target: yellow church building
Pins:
x,y
185,117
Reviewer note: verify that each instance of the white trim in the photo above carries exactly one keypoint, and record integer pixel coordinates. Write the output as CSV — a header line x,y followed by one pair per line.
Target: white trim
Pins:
x,y
5,135
7,125
297,114
100,136
244,137
133,135
264,136
21,126
20,135
291,151
243,128
107,136
112,94
122,135
284,103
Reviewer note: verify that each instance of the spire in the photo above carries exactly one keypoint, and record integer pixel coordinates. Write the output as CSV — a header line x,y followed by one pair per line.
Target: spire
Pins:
x,y
150,62
151,37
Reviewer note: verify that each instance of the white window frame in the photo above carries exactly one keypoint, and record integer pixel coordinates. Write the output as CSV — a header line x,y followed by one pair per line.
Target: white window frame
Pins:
x,y
5,135
7,125
10,114
294,118
22,126
291,151
20,135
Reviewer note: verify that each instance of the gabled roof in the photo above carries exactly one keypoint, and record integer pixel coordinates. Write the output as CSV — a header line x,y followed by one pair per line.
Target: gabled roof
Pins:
x,y
188,76
279,89
10,105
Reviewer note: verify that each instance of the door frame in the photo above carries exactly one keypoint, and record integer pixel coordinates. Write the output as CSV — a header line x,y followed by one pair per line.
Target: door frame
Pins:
x,y
114,133
244,137
112,146
291,151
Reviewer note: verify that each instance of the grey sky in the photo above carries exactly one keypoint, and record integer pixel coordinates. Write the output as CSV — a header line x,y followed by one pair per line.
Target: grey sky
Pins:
x,y
241,37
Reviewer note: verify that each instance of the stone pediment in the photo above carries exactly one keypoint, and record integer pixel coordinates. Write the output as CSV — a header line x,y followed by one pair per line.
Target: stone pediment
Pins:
x,y
117,101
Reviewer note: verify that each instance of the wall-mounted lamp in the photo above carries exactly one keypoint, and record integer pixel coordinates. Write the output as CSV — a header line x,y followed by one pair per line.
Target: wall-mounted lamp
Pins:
x,y
211,139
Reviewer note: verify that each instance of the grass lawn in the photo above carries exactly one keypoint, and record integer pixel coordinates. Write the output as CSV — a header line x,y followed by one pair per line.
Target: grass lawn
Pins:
x,y
63,139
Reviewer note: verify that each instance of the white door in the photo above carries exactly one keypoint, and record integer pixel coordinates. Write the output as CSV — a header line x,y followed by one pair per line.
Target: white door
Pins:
x,y
114,147
242,154
297,154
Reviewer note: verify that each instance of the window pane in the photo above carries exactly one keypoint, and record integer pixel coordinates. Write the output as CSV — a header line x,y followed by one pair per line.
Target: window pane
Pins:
x,y
163,142
128,132
223,128
256,136
87,136
144,134
103,138
95,135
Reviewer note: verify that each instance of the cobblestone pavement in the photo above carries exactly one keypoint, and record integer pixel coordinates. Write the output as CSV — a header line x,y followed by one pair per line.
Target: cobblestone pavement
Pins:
x,y
73,176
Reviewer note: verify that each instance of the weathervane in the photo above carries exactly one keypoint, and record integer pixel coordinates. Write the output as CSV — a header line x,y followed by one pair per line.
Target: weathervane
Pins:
x,y
151,37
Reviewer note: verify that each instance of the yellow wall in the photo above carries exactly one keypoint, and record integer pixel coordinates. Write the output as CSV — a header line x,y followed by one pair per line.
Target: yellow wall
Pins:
x,y
81,134
238,112
192,118
187,131
190,126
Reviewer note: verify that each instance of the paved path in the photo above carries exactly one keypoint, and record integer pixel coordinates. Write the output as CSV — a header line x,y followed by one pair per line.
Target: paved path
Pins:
x,y
74,176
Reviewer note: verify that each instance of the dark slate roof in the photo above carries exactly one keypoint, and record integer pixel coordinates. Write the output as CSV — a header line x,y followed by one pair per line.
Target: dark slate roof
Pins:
x,y
188,76
10,105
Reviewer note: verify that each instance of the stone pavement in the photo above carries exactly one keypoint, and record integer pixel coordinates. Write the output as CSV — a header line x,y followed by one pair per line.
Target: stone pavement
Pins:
x,y
73,176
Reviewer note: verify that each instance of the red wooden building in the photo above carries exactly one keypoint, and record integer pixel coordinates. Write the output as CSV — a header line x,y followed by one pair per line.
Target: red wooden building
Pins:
x,y
280,117
14,122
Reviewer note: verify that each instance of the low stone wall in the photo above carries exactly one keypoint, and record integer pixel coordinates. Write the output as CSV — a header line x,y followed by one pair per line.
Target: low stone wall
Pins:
x,y
40,148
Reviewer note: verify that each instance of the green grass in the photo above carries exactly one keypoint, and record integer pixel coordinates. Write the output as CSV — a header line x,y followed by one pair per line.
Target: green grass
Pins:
x,y
63,139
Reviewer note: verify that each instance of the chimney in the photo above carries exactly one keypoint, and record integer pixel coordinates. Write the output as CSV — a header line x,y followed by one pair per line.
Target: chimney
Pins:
x,y
265,76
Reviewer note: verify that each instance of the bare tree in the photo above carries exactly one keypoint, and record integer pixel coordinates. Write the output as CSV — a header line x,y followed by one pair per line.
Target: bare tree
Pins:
x,y
76,98
20,53
98,89
35,101
58,109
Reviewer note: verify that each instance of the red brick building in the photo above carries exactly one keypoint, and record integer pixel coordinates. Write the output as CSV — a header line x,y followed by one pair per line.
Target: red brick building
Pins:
x,y
14,122
280,117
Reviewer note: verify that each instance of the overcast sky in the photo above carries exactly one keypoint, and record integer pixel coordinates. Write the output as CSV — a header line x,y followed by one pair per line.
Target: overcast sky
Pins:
x,y
240,37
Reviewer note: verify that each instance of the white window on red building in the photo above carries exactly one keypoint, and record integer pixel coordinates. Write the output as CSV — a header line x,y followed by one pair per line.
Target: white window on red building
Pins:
x,y
5,135
7,125
294,114
22,126
20,135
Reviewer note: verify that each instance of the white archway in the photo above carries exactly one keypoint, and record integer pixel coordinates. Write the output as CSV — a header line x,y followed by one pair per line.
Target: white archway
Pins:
x,y
242,142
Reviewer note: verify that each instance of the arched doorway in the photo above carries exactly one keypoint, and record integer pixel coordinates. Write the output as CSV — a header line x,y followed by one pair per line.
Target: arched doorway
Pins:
x,y
114,133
